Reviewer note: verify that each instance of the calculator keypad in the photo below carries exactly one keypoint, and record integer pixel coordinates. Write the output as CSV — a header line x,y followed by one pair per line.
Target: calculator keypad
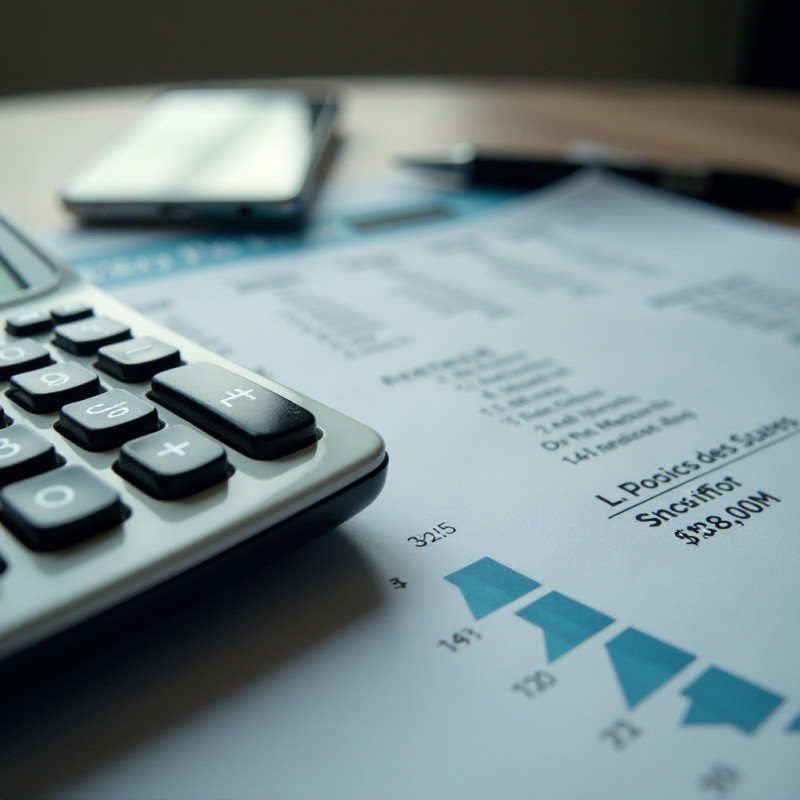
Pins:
x,y
131,455
48,505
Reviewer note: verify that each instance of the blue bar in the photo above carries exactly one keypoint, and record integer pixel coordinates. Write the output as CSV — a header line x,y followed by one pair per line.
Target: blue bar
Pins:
x,y
488,585
643,663
566,623
719,698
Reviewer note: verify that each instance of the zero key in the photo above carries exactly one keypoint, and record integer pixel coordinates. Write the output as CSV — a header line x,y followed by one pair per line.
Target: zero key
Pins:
x,y
59,508
243,414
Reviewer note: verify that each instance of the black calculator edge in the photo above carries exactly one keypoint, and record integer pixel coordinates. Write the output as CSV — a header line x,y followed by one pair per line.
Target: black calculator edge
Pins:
x,y
34,664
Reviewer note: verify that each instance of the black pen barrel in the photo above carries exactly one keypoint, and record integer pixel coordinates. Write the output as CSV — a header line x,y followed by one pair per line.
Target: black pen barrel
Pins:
x,y
752,191
518,173
729,189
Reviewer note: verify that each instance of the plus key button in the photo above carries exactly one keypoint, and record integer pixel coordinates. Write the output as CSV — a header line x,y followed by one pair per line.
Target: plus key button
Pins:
x,y
173,463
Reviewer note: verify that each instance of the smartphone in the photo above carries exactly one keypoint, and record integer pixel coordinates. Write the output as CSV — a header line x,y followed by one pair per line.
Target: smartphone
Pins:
x,y
210,155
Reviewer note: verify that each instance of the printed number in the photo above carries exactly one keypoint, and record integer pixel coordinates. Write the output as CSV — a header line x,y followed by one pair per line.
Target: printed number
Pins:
x,y
457,640
117,410
720,779
534,684
435,534
621,733
8,449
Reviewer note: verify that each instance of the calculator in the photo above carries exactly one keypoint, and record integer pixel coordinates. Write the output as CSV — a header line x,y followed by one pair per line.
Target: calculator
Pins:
x,y
131,458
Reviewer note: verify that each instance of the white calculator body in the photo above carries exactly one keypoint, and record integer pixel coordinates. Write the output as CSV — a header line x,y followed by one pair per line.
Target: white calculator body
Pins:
x,y
131,458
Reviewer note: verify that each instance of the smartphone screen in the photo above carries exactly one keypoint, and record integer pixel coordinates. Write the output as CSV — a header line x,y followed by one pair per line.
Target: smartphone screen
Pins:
x,y
208,152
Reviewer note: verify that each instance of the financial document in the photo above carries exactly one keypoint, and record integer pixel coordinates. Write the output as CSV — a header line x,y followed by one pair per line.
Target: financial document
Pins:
x,y
581,579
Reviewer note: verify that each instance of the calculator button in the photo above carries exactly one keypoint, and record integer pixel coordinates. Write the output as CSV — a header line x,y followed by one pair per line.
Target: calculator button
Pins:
x,y
69,312
23,453
243,414
59,508
137,359
22,356
85,336
28,323
47,389
173,463
107,420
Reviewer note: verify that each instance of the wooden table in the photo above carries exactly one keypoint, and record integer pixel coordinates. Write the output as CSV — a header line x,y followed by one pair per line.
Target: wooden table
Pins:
x,y
44,136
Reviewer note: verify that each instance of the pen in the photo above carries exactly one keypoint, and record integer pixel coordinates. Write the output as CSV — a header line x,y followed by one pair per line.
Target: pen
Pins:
x,y
721,187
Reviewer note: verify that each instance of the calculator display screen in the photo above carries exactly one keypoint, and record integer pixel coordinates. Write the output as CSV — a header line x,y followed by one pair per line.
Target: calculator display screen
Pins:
x,y
9,282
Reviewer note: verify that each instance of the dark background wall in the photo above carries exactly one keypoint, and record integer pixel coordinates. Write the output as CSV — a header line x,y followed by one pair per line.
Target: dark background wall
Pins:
x,y
53,44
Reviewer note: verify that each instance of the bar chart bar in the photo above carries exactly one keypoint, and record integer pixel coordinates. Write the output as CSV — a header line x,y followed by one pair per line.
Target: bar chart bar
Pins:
x,y
644,663
488,585
720,698
566,623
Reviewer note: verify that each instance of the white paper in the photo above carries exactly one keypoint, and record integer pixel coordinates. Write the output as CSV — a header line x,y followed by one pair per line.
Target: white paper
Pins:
x,y
563,383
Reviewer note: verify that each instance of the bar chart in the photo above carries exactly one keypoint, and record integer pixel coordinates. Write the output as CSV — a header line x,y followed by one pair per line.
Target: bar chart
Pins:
x,y
641,662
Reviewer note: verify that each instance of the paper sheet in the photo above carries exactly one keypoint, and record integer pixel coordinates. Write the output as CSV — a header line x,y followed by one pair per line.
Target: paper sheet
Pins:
x,y
581,578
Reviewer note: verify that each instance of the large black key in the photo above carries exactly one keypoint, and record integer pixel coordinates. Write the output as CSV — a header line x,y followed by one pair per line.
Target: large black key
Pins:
x,y
173,463
249,417
59,508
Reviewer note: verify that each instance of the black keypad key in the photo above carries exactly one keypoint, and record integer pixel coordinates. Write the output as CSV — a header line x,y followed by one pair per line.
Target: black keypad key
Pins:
x,y
69,312
22,356
59,508
137,359
47,389
107,420
249,417
27,323
173,463
86,336
23,452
